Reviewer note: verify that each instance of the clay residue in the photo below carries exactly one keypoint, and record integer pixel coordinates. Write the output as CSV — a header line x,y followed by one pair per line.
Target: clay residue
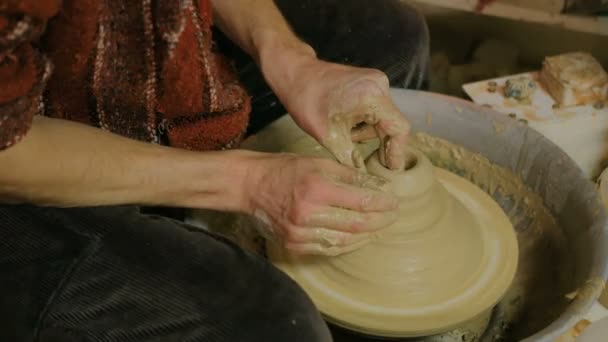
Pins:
x,y
499,127
591,289
544,273
564,114
448,259
530,114
544,269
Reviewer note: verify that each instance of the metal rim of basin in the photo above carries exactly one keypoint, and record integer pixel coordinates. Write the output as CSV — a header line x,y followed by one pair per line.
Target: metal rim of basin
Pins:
x,y
420,108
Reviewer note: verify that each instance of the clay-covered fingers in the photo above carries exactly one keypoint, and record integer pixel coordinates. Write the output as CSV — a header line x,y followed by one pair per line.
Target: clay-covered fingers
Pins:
x,y
320,249
370,115
393,130
366,181
347,188
339,142
362,198
340,202
323,241
336,210
363,132
323,236
347,111
351,221
316,203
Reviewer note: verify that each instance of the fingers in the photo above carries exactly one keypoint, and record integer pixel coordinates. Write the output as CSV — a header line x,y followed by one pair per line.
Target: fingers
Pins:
x,y
323,236
337,211
384,142
393,130
393,148
365,132
348,111
343,208
341,174
347,188
381,118
351,221
340,144
361,199
328,185
319,249
322,241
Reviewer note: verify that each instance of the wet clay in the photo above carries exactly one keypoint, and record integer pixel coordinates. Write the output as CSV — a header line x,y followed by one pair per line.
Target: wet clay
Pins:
x,y
381,116
446,262
546,271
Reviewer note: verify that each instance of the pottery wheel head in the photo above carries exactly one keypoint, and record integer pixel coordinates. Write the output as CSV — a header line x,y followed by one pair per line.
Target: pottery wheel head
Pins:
x,y
448,260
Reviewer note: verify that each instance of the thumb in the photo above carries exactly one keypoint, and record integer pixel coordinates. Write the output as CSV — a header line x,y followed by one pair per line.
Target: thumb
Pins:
x,y
339,143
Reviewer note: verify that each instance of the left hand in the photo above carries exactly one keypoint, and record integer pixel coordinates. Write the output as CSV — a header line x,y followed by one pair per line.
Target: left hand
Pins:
x,y
339,104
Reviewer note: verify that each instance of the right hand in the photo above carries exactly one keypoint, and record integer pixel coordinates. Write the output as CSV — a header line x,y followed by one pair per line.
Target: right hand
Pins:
x,y
315,205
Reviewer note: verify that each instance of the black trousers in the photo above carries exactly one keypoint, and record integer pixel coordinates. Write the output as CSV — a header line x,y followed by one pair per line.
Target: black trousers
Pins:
x,y
115,274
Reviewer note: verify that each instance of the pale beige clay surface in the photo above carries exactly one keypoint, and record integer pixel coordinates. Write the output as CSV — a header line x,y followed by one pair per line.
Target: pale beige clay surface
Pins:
x,y
445,263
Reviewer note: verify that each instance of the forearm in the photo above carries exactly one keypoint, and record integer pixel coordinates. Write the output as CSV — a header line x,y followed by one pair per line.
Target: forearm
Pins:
x,y
256,25
62,163
259,28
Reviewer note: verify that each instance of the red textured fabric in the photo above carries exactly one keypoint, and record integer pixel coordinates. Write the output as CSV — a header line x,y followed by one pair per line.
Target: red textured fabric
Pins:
x,y
143,69
177,75
23,71
70,43
188,134
18,74
3,23
42,9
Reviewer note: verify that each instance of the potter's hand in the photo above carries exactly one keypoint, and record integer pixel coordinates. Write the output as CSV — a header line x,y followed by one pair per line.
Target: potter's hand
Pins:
x,y
317,206
330,100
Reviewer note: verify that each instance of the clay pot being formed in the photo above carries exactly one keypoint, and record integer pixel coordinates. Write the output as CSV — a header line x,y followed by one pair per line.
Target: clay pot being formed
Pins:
x,y
445,263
